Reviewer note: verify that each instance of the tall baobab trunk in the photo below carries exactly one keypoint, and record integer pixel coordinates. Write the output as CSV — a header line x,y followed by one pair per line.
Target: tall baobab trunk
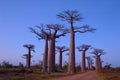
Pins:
x,y
51,56
97,63
83,62
27,61
88,60
45,57
71,61
100,64
25,56
91,67
29,57
60,61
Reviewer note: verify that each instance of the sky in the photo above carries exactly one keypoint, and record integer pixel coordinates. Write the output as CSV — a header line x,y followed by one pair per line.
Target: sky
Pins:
x,y
16,16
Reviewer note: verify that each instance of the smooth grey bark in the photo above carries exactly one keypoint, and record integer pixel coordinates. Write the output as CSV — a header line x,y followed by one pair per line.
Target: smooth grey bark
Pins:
x,y
71,59
45,57
51,56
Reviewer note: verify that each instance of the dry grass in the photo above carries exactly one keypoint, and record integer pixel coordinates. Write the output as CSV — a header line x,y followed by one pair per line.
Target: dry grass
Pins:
x,y
36,75
107,76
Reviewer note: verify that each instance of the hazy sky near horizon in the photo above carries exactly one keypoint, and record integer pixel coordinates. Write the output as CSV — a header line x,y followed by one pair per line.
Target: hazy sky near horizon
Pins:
x,y
16,16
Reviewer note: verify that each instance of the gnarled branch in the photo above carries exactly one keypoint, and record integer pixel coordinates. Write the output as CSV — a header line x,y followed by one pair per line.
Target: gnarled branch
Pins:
x,y
84,29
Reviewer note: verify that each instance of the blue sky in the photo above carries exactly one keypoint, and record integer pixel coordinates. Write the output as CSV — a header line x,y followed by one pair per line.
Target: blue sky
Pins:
x,y
16,16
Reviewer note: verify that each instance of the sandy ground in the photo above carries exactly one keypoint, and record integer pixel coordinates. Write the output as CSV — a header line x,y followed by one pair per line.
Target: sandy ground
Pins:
x,y
91,75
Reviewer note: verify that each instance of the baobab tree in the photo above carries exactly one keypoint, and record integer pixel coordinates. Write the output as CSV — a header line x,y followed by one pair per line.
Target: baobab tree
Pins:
x,y
56,31
60,50
30,48
25,56
43,33
89,60
98,53
83,48
72,16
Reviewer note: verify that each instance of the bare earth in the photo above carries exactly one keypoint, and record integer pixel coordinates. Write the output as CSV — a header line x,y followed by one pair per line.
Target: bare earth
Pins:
x,y
90,75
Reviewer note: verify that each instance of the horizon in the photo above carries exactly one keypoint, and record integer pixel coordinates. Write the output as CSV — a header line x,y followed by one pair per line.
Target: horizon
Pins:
x,y
17,16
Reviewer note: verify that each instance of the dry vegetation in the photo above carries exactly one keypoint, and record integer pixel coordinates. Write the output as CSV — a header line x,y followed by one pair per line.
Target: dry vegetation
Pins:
x,y
111,74
36,74
22,74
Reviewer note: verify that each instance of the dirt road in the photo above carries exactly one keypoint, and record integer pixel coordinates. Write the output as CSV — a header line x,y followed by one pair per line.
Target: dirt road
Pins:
x,y
91,75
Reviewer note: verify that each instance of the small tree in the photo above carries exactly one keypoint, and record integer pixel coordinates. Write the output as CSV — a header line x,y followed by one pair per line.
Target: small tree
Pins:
x,y
98,53
72,16
83,48
30,48
60,50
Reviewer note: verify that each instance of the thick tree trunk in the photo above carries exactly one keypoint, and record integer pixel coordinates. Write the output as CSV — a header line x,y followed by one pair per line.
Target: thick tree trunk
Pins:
x,y
71,61
60,61
88,60
45,57
83,62
29,58
91,64
54,68
27,61
51,56
97,64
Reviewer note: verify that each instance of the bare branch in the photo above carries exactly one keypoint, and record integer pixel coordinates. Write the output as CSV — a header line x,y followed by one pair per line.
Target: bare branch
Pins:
x,y
83,47
69,15
29,46
54,28
98,52
62,48
43,32
39,35
65,31
84,29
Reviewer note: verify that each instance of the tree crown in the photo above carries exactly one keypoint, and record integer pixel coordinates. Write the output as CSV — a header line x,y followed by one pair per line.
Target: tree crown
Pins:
x,y
69,16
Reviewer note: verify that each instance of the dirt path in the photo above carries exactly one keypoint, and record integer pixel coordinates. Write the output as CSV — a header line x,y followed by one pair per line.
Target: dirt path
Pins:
x,y
91,75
